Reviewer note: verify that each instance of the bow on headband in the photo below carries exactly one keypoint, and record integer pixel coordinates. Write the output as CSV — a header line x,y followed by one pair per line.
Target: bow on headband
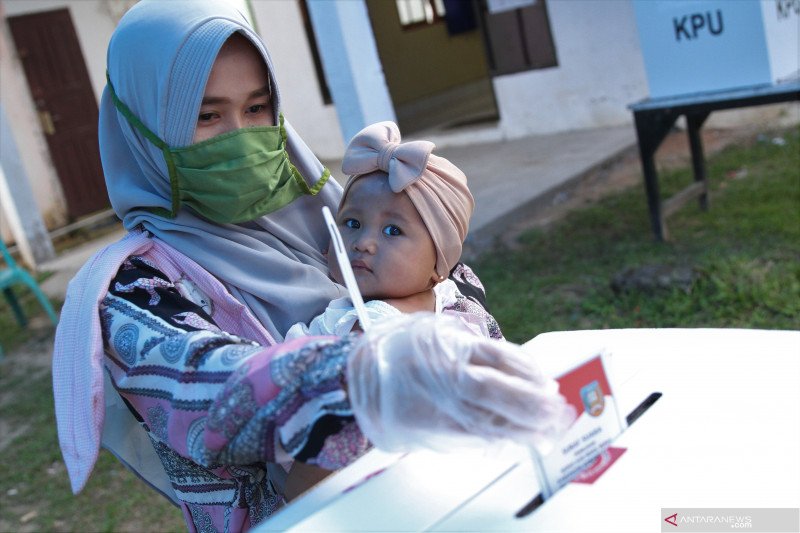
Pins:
x,y
378,147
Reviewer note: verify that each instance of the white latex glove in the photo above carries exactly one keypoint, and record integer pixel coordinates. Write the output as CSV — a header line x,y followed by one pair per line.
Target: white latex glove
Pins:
x,y
425,381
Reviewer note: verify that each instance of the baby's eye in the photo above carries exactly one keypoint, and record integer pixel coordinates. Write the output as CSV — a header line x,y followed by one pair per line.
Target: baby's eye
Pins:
x,y
352,223
393,230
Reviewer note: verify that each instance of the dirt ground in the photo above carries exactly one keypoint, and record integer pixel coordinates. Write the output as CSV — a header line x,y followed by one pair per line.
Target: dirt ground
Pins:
x,y
623,172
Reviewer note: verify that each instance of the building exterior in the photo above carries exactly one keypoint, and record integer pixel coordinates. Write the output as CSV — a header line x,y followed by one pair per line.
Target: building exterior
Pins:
x,y
454,70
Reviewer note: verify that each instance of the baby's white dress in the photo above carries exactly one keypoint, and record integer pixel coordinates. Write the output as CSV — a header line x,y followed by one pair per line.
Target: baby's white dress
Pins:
x,y
340,316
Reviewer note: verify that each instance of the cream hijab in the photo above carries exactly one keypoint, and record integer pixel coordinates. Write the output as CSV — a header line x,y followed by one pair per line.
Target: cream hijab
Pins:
x,y
159,59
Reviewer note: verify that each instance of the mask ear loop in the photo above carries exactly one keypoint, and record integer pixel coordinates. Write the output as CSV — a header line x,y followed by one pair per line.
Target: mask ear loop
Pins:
x,y
153,138
326,174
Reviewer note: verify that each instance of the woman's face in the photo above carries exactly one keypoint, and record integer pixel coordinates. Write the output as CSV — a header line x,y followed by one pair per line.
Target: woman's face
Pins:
x,y
237,93
390,249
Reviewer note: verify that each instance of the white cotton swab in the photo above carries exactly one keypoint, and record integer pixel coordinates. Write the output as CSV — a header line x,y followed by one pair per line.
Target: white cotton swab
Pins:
x,y
347,271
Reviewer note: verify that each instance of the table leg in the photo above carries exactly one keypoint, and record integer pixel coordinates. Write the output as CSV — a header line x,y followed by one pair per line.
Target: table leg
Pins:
x,y
694,124
652,191
651,128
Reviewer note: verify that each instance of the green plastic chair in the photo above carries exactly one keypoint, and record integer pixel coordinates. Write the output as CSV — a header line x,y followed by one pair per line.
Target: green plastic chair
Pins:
x,y
12,275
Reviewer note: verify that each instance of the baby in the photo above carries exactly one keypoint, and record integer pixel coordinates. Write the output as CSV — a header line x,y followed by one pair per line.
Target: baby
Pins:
x,y
403,217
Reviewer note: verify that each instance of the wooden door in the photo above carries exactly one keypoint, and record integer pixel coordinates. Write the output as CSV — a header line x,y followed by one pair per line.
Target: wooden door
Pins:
x,y
51,57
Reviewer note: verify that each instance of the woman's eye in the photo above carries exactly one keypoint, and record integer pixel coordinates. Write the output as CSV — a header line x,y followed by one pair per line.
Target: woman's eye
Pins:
x,y
205,117
352,223
256,109
393,230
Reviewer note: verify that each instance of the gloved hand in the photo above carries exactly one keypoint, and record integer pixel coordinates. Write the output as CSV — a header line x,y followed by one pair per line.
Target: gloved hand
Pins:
x,y
424,381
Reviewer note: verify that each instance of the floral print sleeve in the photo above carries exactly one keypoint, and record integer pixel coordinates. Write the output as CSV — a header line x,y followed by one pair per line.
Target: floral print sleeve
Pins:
x,y
218,407
468,284
472,299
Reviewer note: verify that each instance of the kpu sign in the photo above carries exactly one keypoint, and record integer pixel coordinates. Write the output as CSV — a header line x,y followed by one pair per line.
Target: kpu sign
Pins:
x,y
692,46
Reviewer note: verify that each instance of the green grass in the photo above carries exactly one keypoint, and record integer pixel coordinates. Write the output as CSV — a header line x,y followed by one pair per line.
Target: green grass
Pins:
x,y
34,477
12,334
745,251
34,489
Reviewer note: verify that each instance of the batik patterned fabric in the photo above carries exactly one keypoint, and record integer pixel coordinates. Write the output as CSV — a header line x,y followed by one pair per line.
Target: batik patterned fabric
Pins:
x,y
470,308
471,299
217,407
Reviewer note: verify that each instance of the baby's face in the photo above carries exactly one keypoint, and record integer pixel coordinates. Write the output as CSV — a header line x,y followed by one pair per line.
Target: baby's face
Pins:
x,y
390,250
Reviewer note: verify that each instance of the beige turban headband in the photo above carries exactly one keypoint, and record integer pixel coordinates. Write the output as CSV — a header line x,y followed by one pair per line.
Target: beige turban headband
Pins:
x,y
436,187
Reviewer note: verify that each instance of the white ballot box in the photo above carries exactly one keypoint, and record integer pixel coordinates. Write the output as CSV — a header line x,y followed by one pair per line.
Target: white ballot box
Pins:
x,y
692,46
725,433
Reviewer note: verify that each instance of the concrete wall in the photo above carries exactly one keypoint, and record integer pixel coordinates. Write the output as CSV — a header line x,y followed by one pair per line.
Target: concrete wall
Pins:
x,y
21,217
600,72
280,24
352,67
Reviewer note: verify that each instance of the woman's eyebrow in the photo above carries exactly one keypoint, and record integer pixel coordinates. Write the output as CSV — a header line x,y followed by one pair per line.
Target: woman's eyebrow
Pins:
x,y
210,100
264,91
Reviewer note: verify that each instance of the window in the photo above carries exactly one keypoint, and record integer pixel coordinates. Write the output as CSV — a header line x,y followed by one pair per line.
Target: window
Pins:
x,y
312,43
419,12
519,39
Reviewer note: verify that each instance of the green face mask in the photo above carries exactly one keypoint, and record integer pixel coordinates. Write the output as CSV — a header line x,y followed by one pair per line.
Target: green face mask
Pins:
x,y
234,177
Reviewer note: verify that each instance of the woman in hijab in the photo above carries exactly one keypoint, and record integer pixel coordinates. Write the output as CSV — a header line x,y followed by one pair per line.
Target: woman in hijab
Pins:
x,y
170,348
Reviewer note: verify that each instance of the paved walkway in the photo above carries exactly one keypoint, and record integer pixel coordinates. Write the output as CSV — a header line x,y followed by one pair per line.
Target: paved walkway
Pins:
x,y
509,179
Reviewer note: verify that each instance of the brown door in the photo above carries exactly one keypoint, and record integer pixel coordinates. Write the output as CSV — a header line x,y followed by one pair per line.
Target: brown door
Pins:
x,y
62,92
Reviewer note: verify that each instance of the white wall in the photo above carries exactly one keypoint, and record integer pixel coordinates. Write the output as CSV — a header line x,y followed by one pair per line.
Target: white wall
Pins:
x,y
21,215
280,24
600,72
